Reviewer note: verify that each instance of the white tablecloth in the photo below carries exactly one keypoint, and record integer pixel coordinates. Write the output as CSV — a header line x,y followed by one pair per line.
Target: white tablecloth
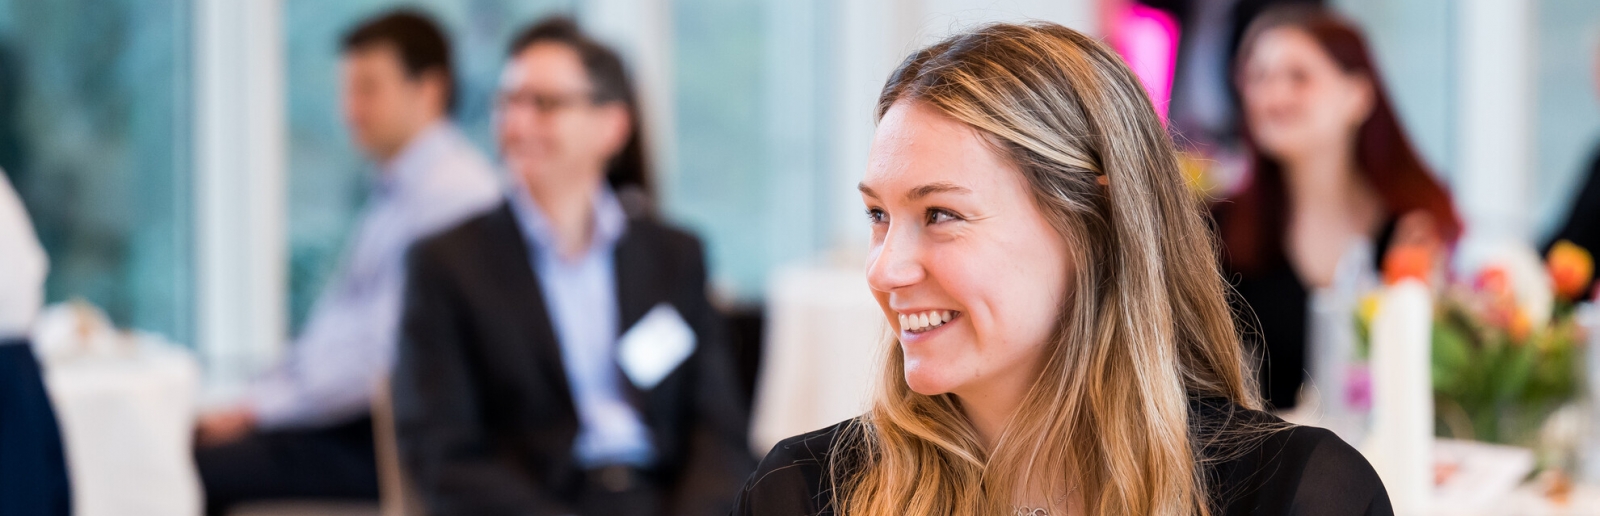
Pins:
x,y
127,422
823,346
1528,500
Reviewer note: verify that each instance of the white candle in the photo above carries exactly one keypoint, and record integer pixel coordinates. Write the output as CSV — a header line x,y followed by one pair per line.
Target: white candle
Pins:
x,y
1400,445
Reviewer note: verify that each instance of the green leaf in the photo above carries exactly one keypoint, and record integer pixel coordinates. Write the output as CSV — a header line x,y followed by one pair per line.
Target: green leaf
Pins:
x,y
1512,377
1452,355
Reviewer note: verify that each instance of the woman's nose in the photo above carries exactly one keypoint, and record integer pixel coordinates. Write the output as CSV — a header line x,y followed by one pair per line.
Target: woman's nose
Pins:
x,y
896,262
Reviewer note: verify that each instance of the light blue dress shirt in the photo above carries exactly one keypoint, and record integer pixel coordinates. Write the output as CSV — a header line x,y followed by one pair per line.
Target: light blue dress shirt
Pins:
x,y
349,340
581,295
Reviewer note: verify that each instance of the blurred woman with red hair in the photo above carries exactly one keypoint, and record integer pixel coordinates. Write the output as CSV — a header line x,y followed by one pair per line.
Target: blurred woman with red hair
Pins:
x,y
1335,183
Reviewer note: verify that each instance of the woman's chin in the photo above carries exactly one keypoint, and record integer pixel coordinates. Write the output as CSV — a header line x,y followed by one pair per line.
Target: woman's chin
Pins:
x,y
927,381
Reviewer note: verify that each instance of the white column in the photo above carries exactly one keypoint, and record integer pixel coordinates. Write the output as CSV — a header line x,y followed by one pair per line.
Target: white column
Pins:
x,y
1495,57
641,30
239,186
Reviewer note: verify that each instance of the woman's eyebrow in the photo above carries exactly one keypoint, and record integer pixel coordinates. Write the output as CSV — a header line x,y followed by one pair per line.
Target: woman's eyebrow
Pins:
x,y
933,188
920,191
866,191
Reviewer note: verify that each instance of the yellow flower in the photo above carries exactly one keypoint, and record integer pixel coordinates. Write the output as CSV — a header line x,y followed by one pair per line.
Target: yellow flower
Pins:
x,y
1368,307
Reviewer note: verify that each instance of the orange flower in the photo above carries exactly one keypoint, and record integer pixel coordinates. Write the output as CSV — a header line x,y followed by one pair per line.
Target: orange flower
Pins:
x,y
1571,267
1407,261
1520,328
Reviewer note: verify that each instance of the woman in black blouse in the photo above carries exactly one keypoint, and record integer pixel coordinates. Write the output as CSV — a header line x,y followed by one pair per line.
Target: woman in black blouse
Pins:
x,y
1333,175
1061,340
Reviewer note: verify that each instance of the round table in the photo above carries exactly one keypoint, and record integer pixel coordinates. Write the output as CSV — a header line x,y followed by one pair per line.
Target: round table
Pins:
x,y
127,422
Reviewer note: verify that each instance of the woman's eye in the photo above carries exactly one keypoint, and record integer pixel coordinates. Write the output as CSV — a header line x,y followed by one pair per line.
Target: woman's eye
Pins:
x,y
877,216
938,215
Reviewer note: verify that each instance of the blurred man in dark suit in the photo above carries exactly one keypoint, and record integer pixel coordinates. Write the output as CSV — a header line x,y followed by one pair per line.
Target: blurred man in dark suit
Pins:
x,y
33,468
559,354
303,430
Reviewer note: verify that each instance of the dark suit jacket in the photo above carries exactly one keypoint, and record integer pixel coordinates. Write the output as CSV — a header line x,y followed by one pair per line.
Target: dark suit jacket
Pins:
x,y
485,419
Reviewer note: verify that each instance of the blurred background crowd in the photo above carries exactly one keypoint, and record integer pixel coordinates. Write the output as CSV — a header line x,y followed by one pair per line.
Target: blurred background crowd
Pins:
x,y
226,193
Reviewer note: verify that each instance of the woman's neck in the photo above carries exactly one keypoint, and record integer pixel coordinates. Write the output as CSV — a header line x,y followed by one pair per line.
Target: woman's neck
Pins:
x,y
1322,180
990,407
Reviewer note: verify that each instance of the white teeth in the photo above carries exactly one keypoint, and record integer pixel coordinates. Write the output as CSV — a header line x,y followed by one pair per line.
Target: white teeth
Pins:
x,y
926,320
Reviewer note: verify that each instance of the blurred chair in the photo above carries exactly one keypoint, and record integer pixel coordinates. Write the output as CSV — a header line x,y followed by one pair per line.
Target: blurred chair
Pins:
x,y
395,496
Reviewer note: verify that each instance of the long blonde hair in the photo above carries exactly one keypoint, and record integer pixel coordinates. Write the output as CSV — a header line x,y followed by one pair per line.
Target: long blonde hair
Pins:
x,y
1145,327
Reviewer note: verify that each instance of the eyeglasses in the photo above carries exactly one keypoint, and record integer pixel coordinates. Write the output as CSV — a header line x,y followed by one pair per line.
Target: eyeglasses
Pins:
x,y
543,103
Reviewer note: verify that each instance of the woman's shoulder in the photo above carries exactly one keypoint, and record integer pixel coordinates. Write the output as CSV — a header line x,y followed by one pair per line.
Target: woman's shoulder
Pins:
x,y
795,478
1259,464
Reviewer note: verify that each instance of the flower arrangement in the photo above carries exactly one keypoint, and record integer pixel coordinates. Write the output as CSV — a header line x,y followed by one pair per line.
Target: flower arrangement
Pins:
x,y
1507,347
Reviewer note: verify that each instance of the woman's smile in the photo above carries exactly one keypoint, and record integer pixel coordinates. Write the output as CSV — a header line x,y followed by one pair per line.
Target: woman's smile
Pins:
x,y
916,325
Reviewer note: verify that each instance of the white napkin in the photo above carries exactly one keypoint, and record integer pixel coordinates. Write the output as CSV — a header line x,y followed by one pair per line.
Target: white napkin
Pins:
x,y
655,346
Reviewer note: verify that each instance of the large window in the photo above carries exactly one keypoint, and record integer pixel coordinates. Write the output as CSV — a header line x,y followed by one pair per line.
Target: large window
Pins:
x,y
95,133
723,177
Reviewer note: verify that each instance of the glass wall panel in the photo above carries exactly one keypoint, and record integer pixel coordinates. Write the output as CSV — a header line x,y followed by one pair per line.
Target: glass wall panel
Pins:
x,y
721,182
1567,118
95,133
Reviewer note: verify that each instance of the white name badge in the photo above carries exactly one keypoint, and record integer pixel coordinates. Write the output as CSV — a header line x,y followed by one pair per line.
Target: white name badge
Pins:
x,y
655,346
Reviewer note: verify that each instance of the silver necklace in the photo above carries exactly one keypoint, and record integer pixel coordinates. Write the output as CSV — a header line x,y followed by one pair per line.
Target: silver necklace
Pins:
x,y
1041,511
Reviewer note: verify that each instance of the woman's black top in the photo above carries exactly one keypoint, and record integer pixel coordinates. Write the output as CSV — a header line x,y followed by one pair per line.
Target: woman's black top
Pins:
x,y
1267,467
1273,307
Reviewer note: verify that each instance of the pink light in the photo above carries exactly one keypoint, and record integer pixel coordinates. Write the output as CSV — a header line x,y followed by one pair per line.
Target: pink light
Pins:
x,y
1148,39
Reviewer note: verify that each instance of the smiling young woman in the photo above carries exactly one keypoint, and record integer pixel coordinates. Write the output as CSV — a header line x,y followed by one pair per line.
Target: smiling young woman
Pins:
x,y
1062,344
